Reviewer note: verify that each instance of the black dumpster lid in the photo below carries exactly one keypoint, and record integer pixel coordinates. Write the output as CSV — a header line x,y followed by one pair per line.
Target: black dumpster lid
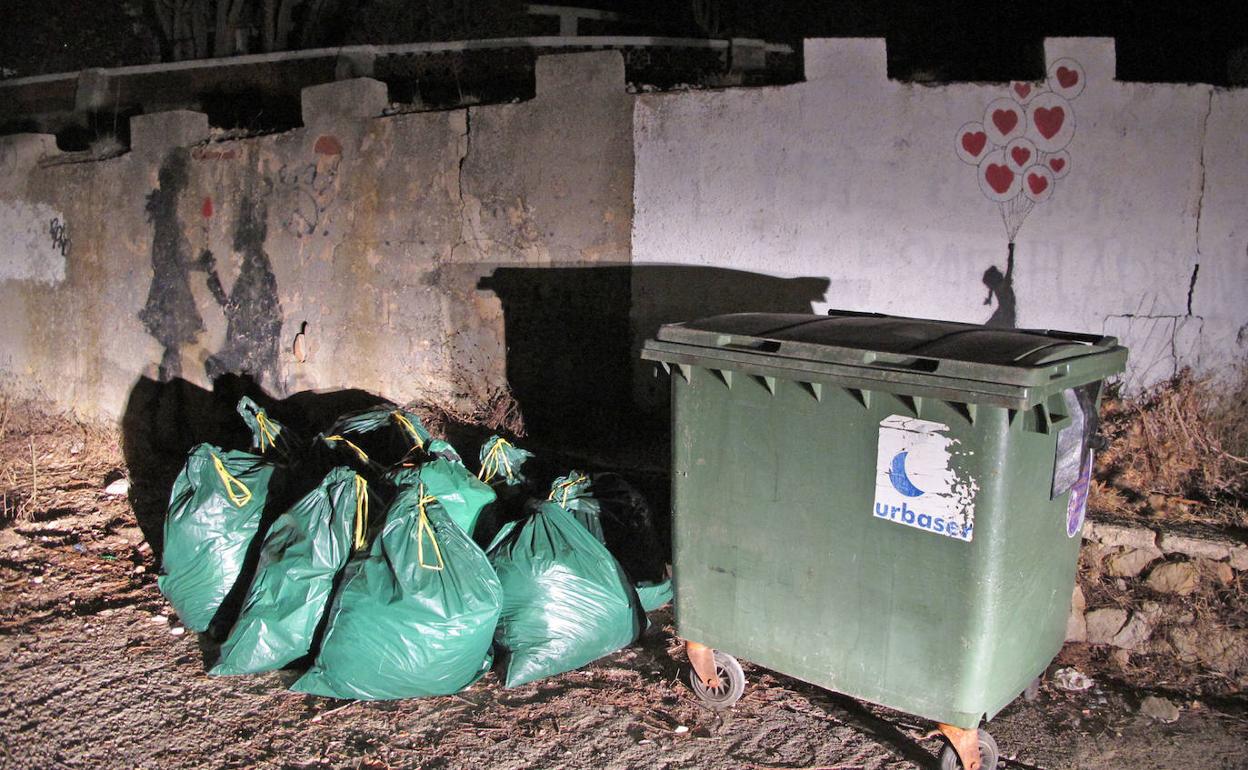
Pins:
x,y
945,349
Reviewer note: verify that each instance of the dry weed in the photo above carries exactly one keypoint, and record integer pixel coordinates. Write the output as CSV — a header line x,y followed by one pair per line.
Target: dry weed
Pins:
x,y
52,462
1174,452
498,411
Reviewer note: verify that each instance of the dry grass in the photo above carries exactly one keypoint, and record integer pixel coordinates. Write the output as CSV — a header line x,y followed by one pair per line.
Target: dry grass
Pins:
x,y
498,411
51,462
1176,452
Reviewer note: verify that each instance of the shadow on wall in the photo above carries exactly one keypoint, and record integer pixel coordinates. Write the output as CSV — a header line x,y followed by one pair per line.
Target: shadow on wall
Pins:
x,y
164,420
574,335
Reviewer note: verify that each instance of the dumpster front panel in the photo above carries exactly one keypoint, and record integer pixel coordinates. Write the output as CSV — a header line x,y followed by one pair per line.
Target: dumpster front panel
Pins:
x,y
781,556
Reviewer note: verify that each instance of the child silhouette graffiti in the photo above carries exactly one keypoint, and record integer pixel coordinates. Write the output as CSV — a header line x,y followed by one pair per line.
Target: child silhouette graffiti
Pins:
x,y
1001,287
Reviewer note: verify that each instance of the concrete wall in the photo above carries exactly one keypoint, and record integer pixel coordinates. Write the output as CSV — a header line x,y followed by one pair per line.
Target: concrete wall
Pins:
x,y
368,236
857,180
439,255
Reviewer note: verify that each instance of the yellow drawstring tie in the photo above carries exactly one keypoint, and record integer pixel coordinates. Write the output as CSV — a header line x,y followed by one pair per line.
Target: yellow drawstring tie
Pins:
x,y
565,488
262,422
361,512
423,527
231,484
343,439
492,460
407,425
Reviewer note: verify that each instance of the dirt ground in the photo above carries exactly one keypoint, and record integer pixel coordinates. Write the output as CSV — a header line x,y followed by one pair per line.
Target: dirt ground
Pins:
x,y
95,672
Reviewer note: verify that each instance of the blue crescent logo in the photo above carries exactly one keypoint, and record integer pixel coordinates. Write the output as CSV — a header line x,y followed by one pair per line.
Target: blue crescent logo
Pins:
x,y
897,475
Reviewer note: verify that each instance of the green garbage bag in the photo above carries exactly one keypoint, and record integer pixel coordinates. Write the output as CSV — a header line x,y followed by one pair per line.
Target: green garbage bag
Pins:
x,y
304,550
576,494
653,595
461,494
414,617
215,512
268,436
566,601
572,493
501,461
386,436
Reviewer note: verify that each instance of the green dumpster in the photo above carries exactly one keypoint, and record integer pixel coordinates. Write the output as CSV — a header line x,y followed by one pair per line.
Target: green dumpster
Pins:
x,y
886,507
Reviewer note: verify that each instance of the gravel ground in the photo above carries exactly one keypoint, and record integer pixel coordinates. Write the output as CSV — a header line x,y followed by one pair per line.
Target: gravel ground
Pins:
x,y
96,672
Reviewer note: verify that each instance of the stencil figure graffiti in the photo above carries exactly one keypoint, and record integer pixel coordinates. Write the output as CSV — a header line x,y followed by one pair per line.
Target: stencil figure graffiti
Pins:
x,y
170,315
1001,287
252,309
1019,154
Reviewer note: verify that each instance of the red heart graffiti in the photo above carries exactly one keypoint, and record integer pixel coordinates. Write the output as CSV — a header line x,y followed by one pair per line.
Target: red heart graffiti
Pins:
x,y
1022,89
1067,77
1049,121
1037,183
999,177
1020,155
973,142
1057,164
1005,120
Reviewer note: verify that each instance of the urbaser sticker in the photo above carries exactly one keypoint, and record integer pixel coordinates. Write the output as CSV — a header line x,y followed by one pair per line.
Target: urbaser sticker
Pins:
x,y
917,482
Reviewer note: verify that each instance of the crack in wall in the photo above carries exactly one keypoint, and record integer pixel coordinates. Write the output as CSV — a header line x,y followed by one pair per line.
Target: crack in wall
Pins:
x,y
1191,287
1200,195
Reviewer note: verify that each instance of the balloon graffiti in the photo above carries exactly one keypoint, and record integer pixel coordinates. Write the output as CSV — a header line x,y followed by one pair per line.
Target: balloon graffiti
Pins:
x,y
1019,147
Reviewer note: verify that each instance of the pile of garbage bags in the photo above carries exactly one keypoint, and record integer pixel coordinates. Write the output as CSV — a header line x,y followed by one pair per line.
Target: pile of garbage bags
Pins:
x,y
372,559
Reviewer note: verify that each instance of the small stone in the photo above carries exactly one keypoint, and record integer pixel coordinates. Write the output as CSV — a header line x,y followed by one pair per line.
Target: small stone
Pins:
x,y
177,630
1076,627
160,619
1072,679
1121,657
139,570
680,729
37,580
1131,562
1160,709
118,488
1134,635
1221,571
1186,644
1194,547
1104,624
1077,600
1150,611
145,548
1120,584
1174,578
1239,558
1116,535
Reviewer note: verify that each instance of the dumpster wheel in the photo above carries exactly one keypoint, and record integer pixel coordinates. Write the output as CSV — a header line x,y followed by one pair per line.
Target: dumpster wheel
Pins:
x,y
731,683
988,754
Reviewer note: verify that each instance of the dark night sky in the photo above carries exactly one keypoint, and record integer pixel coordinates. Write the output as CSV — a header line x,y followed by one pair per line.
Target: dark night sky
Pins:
x,y
932,39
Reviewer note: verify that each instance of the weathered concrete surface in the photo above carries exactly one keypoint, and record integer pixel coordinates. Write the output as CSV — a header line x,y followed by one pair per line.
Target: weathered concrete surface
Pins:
x,y
401,240
371,236
551,180
856,178
351,98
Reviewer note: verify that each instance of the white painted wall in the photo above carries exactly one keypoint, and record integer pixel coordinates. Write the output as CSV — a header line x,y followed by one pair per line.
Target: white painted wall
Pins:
x,y
855,178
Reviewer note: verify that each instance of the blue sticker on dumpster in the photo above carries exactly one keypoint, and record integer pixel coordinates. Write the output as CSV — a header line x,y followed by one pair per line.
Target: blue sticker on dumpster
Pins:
x,y
917,482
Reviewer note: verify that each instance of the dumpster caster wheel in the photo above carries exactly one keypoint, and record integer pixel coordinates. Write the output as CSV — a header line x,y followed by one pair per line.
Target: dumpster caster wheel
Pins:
x,y
987,754
731,683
